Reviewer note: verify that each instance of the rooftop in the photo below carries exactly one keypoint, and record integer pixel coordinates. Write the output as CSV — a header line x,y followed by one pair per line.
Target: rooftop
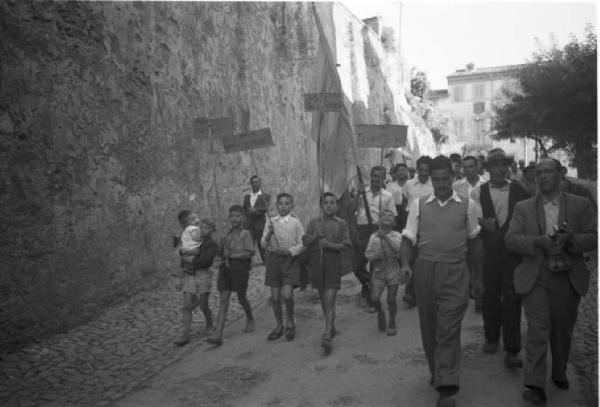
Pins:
x,y
483,73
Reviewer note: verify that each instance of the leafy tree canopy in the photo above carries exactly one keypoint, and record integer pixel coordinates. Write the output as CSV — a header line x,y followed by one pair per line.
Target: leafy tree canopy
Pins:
x,y
555,103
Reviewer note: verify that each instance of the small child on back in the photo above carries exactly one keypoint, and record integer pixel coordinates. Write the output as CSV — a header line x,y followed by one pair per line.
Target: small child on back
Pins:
x,y
198,251
236,253
383,251
190,237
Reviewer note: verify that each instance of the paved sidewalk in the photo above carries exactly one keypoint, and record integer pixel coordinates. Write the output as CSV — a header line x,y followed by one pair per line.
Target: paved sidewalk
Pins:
x,y
101,361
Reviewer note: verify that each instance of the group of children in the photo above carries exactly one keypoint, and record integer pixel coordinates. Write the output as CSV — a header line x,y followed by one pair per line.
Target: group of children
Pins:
x,y
321,248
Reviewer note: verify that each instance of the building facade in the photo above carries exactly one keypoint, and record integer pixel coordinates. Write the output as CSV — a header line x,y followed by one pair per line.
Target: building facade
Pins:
x,y
469,100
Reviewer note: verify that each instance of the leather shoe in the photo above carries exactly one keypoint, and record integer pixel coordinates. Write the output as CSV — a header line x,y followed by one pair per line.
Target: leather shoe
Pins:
x,y
561,384
490,347
535,396
275,334
511,360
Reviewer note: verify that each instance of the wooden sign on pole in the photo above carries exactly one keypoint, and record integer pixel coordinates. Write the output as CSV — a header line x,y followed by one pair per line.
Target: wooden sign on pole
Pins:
x,y
248,141
322,102
386,135
204,127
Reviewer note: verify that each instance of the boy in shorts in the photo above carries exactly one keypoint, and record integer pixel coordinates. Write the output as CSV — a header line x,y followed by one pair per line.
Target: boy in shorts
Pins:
x,y
196,278
326,239
236,253
282,240
383,251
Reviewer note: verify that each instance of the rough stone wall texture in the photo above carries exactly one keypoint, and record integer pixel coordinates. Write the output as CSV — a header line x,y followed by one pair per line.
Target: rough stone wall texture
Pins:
x,y
97,154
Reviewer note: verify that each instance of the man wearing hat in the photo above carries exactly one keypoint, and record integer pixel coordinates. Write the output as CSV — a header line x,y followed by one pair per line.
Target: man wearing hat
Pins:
x,y
501,306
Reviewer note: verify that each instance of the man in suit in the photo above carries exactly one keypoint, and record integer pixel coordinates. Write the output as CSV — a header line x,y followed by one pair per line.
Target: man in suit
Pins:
x,y
501,306
551,231
256,206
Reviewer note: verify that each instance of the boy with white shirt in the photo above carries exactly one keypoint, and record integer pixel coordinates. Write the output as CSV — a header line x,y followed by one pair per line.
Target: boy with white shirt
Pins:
x,y
282,239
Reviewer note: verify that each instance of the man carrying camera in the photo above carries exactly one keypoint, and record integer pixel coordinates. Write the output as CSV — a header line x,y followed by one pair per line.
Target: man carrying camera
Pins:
x,y
551,230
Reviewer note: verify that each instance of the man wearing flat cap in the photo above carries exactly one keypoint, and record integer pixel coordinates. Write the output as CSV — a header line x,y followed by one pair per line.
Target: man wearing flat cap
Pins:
x,y
501,306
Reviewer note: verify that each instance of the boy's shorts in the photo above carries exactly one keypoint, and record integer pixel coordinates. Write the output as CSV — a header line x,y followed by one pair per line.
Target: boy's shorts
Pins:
x,y
385,277
198,283
327,275
235,277
282,270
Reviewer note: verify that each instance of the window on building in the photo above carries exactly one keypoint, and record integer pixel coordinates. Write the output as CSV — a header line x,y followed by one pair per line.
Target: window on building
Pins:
x,y
478,130
478,91
459,129
457,94
478,107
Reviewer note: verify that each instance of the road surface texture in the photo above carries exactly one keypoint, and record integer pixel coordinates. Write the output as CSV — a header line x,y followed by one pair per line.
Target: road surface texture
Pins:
x,y
366,367
126,357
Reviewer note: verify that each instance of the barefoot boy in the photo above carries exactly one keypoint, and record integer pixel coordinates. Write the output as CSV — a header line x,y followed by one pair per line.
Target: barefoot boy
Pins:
x,y
282,240
326,238
236,251
196,276
383,251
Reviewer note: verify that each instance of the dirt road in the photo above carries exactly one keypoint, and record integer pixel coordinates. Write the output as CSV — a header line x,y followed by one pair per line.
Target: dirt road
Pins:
x,y
366,367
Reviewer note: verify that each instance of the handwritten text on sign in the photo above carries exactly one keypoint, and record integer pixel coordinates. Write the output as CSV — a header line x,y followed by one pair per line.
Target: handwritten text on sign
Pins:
x,y
248,141
220,127
322,102
387,135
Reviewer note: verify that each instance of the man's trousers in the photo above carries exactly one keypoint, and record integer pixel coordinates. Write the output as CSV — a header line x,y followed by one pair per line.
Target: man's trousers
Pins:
x,y
501,306
551,311
442,291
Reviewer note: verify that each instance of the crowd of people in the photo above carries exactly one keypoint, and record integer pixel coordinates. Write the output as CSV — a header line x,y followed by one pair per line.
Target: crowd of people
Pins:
x,y
507,235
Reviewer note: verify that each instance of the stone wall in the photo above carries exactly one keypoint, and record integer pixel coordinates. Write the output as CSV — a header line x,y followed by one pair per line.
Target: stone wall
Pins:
x,y
97,154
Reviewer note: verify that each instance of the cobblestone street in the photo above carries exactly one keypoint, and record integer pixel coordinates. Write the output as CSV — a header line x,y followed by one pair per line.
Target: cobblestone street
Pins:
x,y
114,355
101,361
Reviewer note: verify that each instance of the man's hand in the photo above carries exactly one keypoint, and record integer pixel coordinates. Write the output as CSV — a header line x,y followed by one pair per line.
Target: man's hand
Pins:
x,y
545,243
361,188
284,252
488,224
308,240
405,273
564,236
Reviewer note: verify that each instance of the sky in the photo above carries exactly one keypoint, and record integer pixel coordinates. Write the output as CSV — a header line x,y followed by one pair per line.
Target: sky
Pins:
x,y
442,36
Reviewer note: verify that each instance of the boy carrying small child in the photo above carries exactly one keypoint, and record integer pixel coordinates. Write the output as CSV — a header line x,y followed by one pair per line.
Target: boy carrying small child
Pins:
x,y
197,252
326,239
383,251
236,253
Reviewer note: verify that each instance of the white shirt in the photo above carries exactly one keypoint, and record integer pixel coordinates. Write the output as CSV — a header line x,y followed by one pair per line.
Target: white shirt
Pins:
x,y
464,187
412,223
415,189
396,190
253,197
383,198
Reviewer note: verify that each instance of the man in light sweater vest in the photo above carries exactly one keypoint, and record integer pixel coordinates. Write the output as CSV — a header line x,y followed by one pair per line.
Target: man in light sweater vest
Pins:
x,y
443,226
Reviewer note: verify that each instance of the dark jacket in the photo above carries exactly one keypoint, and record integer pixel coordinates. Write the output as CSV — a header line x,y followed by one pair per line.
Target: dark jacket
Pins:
x,y
257,220
528,222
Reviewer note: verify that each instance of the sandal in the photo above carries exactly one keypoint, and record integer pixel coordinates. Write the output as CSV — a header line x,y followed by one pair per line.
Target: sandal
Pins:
x,y
275,334
326,344
290,332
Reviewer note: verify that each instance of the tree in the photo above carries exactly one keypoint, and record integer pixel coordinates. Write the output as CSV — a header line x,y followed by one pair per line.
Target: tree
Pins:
x,y
555,102
423,111
419,84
